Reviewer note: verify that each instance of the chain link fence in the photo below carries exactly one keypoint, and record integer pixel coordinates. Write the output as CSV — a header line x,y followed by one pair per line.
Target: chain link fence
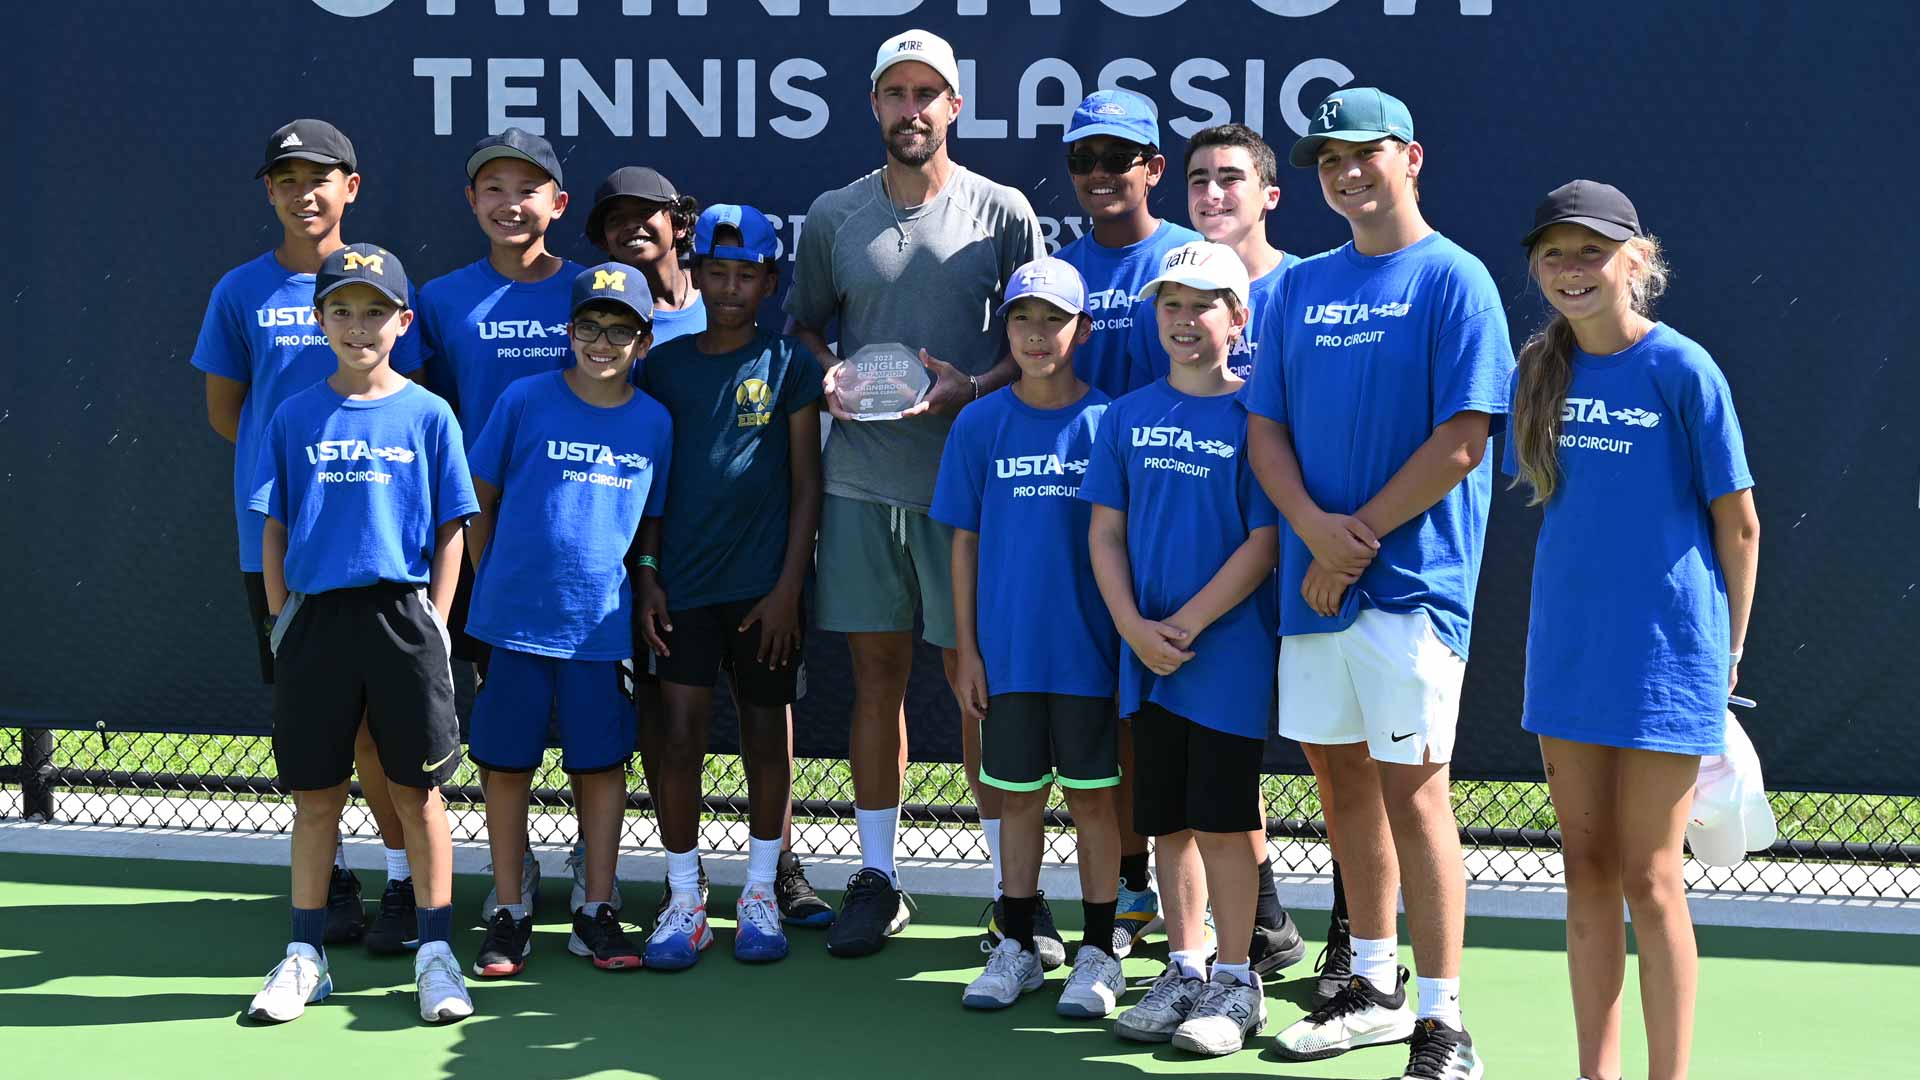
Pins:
x,y
1838,845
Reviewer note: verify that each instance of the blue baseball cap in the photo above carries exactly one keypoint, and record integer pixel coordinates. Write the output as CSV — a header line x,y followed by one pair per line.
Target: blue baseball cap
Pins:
x,y
1054,280
515,143
615,283
1122,114
1356,114
362,264
758,241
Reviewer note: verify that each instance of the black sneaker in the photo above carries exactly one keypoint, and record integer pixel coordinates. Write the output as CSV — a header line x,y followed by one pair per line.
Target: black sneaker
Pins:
x,y
1046,936
1276,948
1442,1053
602,940
394,930
799,904
1334,964
871,912
509,940
346,917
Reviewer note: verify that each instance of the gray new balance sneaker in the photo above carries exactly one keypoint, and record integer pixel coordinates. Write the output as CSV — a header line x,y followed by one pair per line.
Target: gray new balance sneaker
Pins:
x,y
1166,1005
1228,1012
1011,971
1093,988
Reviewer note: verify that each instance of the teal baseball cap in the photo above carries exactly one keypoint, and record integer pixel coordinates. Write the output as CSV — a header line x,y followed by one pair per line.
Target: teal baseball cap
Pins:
x,y
1353,114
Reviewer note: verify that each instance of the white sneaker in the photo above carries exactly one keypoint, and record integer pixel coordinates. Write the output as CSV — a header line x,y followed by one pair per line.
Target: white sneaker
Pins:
x,y
1011,971
529,886
577,863
1227,1013
1168,1001
1357,1016
292,985
1093,988
439,985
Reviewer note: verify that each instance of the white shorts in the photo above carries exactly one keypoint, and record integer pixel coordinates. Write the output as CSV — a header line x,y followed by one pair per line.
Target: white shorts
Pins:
x,y
1387,680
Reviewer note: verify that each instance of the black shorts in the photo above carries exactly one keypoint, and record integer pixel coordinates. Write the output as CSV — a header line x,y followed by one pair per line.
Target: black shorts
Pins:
x,y
1030,740
378,650
256,586
707,640
465,646
1186,776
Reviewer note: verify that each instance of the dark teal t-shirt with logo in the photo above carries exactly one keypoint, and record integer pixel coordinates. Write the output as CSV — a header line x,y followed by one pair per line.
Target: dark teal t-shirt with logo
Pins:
x,y
730,487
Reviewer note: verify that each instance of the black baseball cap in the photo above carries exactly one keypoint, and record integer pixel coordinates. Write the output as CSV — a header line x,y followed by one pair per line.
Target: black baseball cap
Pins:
x,y
1600,207
308,140
515,143
362,264
630,182
614,283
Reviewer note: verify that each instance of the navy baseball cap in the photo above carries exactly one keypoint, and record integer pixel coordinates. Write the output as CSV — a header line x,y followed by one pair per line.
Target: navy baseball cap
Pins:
x,y
1054,280
1356,114
614,283
1601,207
308,140
758,241
628,182
515,143
1122,114
362,264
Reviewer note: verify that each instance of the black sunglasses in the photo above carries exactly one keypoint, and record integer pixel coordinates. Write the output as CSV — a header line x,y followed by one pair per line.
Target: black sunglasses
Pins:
x,y
1082,162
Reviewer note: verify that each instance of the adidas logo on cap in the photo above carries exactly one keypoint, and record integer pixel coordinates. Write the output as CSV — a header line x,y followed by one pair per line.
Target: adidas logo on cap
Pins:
x,y
292,139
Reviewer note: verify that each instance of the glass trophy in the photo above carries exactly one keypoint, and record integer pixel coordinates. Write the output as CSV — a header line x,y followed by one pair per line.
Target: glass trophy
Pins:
x,y
882,381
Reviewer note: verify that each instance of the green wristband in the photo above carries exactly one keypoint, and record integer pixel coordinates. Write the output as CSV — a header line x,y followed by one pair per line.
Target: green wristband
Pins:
x,y
649,562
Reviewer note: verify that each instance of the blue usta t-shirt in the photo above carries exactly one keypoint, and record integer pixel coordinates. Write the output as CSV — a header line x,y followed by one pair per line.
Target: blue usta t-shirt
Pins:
x,y
1177,465
731,492
480,331
361,486
1362,357
260,330
1627,633
1114,276
575,480
1011,473
1151,361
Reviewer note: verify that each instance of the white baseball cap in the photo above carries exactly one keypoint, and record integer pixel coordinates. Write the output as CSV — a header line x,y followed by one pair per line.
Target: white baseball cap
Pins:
x,y
1203,265
1731,815
922,45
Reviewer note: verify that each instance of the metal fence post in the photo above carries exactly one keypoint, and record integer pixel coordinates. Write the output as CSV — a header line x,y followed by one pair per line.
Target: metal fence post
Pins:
x,y
36,774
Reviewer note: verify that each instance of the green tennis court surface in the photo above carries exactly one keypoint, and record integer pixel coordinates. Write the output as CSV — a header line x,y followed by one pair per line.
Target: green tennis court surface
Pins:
x,y
136,969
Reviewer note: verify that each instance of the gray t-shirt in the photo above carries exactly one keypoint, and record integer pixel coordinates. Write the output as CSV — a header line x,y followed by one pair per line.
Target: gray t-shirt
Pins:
x,y
937,292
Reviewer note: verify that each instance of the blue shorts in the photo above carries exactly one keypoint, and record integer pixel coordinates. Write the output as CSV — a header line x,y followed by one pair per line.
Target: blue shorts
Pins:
x,y
587,699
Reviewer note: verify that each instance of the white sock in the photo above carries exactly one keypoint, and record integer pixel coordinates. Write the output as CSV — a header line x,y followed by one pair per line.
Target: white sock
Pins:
x,y
763,861
990,828
397,868
1191,962
683,876
1440,1000
1377,960
877,831
1242,972
339,852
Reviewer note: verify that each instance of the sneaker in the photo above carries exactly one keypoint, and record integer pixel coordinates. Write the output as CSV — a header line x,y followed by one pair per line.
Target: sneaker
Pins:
x,y
294,983
1278,948
1046,936
601,939
438,985
346,916
799,904
1093,988
678,935
1334,964
1228,1012
1442,1053
1011,971
505,950
666,893
529,886
758,937
394,929
1136,915
577,865
872,911
1165,1008
1357,1016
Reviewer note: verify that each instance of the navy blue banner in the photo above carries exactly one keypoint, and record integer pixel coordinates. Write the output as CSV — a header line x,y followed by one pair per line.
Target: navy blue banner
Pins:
x,y
1761,141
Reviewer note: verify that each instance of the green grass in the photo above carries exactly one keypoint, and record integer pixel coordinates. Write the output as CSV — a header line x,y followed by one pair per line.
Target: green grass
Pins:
x,y
1803,816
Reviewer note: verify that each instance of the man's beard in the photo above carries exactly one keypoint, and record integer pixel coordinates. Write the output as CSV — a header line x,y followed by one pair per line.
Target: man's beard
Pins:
x,y
916,155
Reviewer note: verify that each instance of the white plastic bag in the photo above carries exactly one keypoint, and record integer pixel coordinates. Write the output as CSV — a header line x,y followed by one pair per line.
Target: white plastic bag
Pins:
x,y
1731,815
